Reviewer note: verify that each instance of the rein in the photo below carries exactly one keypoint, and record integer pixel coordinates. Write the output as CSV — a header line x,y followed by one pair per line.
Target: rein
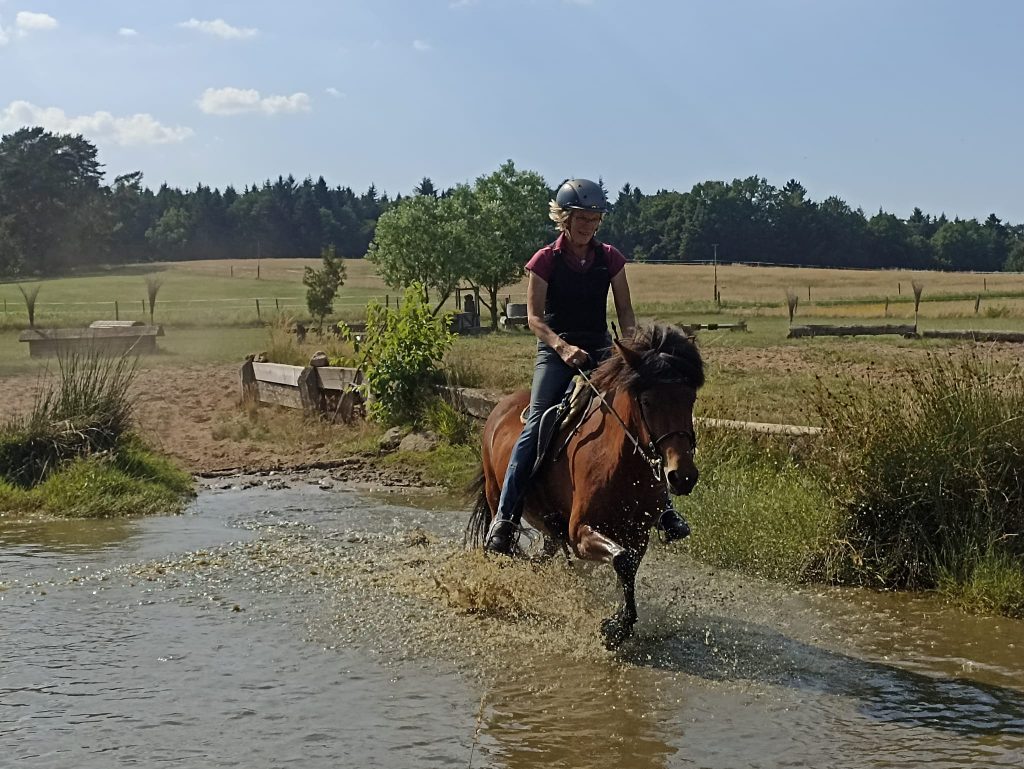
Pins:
x,y
650,454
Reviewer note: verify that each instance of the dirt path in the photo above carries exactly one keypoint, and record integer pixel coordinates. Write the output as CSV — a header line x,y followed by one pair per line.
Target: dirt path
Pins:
x,y
182,413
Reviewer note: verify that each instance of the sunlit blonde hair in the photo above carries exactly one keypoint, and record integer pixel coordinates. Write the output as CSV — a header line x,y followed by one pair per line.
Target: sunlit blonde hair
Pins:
x,y
561,216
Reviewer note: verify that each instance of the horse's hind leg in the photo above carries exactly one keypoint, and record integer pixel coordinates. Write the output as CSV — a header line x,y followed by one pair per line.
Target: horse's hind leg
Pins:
x,y
619,627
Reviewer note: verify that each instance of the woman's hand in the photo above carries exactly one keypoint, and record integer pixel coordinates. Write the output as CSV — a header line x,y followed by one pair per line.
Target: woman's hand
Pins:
x,y
574,357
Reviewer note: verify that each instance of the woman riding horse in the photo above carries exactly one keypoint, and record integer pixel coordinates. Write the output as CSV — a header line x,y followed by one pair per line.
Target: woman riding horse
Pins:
x,y
602,492
566,300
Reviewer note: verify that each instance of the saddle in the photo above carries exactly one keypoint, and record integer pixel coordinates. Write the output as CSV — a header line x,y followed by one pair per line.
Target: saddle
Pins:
x,y
567,414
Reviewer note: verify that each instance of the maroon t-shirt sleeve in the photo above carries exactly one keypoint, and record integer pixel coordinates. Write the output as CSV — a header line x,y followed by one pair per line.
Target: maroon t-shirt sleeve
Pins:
x,y
542,264
616,261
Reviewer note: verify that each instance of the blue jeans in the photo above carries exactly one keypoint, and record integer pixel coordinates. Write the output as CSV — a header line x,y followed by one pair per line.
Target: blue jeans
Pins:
x,y
551,377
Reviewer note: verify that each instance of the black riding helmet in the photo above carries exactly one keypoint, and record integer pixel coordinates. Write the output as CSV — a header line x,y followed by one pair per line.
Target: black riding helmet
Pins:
x,y
582,195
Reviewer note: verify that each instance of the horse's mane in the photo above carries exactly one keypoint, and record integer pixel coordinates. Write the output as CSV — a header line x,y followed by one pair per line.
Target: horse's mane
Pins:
x,y
666,355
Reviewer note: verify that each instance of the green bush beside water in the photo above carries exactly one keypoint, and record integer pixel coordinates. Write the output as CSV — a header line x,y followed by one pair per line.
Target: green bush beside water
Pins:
x,y
74,454
930,473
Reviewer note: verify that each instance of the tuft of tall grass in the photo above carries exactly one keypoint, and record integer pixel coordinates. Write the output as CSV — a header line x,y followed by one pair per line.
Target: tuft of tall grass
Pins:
x,y
756,509
86,411
930,471
994,584
454,426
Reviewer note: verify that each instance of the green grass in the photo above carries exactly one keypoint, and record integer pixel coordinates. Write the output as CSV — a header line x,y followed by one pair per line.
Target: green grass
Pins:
x,y
452,467
994,585
135,482
756,510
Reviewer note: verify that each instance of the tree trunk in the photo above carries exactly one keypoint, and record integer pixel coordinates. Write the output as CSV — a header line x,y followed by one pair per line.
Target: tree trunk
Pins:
x,y
492,292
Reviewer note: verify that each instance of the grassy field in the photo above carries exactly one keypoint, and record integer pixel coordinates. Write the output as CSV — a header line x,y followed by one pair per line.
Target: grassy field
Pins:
x,y
225,292
208,309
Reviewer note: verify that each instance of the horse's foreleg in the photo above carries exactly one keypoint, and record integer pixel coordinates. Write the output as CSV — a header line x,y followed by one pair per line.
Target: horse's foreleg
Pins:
x,y
619,627
595,546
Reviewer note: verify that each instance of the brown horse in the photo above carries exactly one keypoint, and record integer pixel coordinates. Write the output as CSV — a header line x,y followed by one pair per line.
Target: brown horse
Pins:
x,y
603,493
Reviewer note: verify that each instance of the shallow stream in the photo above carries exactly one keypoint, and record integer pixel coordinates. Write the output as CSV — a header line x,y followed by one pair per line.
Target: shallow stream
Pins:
x,y
300,626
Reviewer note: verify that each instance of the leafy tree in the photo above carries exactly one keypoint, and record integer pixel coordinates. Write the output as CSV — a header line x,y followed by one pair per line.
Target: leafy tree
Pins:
x,y
322,285
423,241
1015,259
171,231
47,182
507,215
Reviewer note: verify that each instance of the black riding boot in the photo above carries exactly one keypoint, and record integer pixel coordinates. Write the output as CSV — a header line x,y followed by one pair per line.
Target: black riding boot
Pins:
x,y
673,525
502,535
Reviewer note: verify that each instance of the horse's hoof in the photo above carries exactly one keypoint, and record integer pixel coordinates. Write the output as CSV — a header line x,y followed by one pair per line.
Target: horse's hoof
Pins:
x,y
615,631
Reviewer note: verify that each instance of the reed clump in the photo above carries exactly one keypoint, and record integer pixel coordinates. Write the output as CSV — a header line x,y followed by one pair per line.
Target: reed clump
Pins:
x,y
75,453
930,473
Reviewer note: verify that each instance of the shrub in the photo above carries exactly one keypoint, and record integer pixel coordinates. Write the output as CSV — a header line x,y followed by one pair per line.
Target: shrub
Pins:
x,y
931,471
401,349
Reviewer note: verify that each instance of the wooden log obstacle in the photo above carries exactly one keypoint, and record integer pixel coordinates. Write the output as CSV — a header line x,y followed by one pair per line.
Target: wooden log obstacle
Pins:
x,y
110,337
907,331
328,392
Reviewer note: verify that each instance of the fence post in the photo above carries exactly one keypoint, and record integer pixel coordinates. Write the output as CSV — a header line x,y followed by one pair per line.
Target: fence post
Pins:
x,y
258,309
277,304
309,391
247,375
117,312
231,269
143,306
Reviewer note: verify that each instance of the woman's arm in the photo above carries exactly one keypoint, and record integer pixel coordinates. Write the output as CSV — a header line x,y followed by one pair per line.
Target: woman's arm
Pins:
x,y
623,303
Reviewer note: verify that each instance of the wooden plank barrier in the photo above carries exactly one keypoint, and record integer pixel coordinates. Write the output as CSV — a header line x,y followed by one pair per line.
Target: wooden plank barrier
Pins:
x,y
107,336
326,391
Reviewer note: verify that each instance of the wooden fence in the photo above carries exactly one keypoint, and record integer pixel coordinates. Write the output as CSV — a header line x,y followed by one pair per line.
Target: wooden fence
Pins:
x,y
325,391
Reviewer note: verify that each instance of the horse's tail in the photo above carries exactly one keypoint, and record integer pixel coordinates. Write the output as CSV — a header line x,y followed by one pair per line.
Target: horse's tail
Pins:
x,y
480,518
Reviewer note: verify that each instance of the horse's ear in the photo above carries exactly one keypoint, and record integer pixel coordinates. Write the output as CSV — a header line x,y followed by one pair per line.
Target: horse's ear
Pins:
x,y
632,357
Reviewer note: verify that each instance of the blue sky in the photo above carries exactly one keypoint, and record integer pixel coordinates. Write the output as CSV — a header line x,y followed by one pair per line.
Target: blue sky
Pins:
x,y
888,104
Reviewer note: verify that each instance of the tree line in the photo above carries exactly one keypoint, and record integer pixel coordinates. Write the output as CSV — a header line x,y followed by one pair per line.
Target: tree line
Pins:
x,y
57,214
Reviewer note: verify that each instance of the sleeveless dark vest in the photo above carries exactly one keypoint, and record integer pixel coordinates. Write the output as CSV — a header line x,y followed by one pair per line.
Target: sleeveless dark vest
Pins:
x,y
576,301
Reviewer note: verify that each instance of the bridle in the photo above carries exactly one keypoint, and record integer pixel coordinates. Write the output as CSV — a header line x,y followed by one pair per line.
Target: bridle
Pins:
x,y
651,453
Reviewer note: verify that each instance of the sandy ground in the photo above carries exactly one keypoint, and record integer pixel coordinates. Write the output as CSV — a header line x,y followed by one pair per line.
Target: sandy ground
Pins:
x,y
177,410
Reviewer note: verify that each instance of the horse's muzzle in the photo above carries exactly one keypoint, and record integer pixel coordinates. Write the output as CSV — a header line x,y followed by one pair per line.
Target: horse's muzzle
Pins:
x,y
681,482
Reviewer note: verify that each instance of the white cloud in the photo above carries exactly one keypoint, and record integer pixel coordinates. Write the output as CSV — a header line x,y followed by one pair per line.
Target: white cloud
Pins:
x,y
127,32
4,37
333,91
26,22
236,101
421,46
135,129
461,3
220,28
